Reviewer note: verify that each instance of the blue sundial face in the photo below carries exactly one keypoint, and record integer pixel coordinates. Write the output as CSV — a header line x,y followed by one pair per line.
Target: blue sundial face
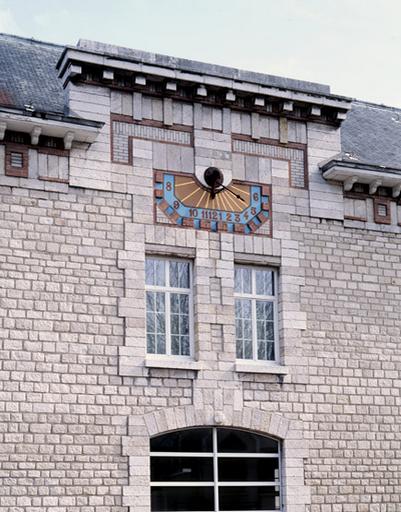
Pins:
x,y
241,209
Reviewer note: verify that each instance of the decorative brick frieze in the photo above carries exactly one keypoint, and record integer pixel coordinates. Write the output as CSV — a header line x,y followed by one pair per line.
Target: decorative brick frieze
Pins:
x,y
295,155
297,174
123,131
269,150
142,131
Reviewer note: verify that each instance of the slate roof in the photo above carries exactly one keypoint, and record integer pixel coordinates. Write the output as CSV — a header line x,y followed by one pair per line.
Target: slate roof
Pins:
x,y
28,74
371,133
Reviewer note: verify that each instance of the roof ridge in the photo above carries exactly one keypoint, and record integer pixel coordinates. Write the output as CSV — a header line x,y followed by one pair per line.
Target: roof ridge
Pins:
x,y
381,106
31,40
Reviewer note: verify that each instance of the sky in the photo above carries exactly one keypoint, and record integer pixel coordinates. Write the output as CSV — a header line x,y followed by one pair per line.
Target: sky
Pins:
x,y
352,45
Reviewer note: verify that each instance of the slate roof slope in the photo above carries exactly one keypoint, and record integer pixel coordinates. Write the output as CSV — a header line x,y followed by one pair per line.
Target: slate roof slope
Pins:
x,y
370,134
28,74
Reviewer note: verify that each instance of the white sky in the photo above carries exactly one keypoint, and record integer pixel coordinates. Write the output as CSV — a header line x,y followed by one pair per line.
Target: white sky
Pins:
x,y
352,45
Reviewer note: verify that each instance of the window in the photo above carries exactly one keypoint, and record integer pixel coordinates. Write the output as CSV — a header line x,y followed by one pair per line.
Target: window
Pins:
x,y
255,313
16,159
18,137
168,307
214,469
382,210
16,162
52,142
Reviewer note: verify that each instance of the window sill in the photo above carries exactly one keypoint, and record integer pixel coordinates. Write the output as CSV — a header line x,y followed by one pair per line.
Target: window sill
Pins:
x,y
172,363
257,367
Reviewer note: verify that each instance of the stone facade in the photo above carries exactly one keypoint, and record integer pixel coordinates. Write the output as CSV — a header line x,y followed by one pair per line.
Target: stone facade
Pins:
x,y
80,398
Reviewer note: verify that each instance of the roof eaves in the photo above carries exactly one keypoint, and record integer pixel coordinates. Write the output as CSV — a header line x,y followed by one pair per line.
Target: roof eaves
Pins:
x,y
51,116
345,162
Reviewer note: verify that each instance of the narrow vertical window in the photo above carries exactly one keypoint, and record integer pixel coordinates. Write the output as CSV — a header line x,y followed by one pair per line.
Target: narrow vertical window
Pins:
x,y
255,313
168,307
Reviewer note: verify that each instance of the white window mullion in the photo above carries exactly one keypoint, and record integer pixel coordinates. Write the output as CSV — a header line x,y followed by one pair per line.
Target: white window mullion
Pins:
x,y
168,325
253,305
248,455
167,294
254,331
275,317
248,483
275,329
215,472
183,454
191,314
281,504
181,484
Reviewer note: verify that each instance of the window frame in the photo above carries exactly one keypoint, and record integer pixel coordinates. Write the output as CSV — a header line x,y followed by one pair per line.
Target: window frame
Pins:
x,y
253,297
215,455
16,171
167,290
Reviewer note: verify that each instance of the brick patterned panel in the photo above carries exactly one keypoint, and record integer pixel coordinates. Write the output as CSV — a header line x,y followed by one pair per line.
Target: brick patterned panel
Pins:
x,y
297,174
295,156
122,132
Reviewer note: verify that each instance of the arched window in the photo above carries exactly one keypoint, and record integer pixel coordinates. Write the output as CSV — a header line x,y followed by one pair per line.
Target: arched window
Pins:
x,y
214,470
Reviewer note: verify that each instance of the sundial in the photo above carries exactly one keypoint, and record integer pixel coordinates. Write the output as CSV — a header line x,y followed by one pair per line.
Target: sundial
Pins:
x,y
239,207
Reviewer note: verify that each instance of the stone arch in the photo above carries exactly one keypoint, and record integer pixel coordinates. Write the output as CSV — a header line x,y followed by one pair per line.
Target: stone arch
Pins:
x,y
143,427
165,420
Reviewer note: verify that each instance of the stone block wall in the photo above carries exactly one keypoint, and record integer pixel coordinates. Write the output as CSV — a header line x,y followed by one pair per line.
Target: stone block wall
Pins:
x,y
352,403
60,426
79,397
65,408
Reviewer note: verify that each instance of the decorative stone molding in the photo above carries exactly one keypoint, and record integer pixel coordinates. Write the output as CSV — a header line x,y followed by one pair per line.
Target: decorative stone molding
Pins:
x,y
189,82
295,156
141,428
83,130
349,173
124,130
